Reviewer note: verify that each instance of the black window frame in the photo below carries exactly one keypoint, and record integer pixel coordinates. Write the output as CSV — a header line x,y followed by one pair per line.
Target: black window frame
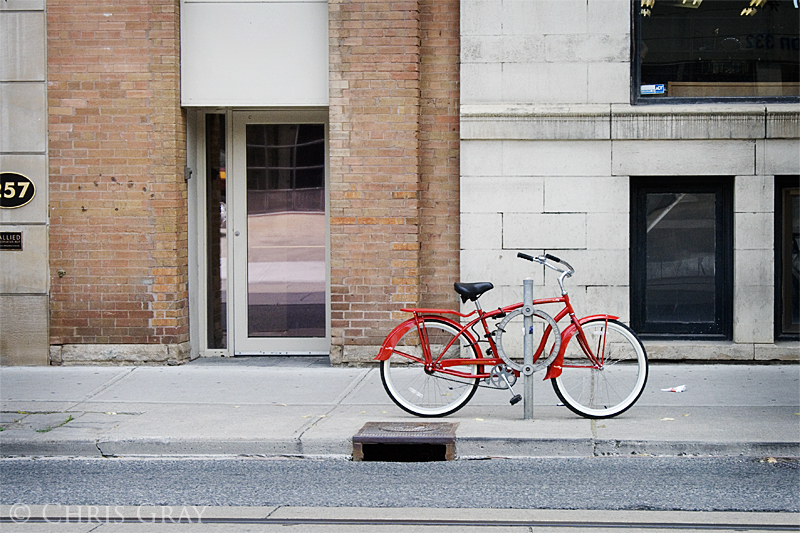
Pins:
x,y
636,76
781,183
722,187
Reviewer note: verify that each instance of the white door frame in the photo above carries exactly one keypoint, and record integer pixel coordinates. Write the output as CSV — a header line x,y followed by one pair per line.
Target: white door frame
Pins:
x,y
198,248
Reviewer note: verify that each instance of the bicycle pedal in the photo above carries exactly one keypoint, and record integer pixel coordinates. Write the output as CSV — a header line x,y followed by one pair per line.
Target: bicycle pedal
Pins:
x,y
515,399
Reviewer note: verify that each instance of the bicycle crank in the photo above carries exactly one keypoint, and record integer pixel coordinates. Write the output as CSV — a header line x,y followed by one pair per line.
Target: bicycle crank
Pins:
x,y
503,377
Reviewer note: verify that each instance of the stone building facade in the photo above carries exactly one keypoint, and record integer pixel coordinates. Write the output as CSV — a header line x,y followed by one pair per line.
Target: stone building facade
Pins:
x,y
429,142
556,140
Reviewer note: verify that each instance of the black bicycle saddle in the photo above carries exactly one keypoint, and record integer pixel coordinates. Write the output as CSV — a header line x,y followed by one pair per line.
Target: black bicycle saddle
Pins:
x,y
471,291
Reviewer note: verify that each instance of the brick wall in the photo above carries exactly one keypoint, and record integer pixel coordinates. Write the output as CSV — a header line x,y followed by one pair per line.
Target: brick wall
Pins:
x,y
439,150
118,235
394,164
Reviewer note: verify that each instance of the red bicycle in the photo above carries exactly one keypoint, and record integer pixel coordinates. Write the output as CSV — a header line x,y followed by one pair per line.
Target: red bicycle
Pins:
x,y
432,364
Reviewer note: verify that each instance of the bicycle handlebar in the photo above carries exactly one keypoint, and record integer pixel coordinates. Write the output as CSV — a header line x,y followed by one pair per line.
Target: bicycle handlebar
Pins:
x,y
543,259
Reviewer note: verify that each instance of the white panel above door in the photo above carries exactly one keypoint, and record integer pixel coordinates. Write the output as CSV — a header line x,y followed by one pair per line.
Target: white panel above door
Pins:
x,y
254,54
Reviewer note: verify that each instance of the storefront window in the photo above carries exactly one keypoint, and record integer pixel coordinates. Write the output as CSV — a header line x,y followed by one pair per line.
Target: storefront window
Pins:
x,y
716,49
788,256
681,276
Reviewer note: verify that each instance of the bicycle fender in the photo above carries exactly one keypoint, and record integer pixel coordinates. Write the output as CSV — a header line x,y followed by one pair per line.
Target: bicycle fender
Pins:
x,y
396,334
391,339
556,367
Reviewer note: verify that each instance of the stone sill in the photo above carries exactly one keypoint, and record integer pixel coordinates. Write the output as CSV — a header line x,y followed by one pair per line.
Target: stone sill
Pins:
x,y
627,122
119,354
159,354
721,351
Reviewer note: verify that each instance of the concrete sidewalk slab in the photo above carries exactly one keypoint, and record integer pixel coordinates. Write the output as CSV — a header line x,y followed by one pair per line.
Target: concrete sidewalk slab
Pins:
x,y
259,386
723,385
68,383
300,406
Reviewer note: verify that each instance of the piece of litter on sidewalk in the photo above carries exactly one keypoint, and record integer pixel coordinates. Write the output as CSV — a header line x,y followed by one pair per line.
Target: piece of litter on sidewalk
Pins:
x,y
679,388
663,419
479,419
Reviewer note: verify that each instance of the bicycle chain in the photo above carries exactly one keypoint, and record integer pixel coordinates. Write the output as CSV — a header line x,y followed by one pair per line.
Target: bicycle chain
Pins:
x,y
480,381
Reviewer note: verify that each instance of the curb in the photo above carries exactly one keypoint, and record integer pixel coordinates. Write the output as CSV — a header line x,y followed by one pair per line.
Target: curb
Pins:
x,y
466,448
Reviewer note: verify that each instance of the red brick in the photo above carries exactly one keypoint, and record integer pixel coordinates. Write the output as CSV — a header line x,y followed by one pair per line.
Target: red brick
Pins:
x,y
115,125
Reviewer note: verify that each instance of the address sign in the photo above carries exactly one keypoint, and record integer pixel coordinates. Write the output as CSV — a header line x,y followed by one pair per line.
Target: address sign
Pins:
x,y
15,190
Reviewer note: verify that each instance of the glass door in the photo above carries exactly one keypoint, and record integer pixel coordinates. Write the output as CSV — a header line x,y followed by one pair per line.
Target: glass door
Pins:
x,y
279,232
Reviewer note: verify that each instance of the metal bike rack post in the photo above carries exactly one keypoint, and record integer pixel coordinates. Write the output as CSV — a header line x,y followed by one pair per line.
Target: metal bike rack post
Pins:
x,y
527,359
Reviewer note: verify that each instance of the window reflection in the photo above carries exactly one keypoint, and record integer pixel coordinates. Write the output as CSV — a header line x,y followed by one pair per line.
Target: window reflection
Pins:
x,y
286,230
681,257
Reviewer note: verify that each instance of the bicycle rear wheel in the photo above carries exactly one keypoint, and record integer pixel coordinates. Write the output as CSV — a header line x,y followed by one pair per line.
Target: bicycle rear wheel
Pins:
x,y
430,394
611,388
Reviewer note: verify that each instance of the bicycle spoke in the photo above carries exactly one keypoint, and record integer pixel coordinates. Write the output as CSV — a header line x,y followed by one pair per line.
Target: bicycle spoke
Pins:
x,y
430,394
608,390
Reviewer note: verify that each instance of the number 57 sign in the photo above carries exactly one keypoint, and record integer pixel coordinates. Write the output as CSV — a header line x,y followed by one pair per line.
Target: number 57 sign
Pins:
x,y
15,190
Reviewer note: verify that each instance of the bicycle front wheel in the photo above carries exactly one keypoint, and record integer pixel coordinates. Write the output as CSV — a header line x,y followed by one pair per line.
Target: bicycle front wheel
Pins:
x,y
614,385
440,392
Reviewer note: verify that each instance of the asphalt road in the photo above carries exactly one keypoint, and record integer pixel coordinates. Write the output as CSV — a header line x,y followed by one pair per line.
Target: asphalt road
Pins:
x,y
603,483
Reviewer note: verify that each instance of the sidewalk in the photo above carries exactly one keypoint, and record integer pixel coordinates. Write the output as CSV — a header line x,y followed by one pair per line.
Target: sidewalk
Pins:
x,y
302,406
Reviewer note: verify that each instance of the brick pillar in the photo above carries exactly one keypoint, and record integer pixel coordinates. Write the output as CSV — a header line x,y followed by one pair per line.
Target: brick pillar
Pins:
x,y
439,153
394,165
118,236
375,181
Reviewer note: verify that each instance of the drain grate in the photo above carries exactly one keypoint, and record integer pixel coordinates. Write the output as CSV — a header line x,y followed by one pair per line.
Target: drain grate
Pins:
x,y
405,441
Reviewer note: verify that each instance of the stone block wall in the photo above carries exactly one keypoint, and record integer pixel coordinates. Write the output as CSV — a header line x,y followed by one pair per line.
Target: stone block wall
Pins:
x,y
118,238
545,52
550,142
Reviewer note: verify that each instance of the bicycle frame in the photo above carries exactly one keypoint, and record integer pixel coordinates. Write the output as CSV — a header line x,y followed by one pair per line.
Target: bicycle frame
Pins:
x,y
553,371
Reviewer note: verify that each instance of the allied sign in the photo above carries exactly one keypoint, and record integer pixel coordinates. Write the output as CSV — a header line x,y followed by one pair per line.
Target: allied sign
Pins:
x,y
15,190
10,240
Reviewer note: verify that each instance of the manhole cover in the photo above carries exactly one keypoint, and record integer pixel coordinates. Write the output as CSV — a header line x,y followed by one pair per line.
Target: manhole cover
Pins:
x,y
405,438
402,428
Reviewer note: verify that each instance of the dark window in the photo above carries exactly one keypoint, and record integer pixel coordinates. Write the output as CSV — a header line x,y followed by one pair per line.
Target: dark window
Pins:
x,y
285,167
787,256
681,257
216,226
285,156
716,49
